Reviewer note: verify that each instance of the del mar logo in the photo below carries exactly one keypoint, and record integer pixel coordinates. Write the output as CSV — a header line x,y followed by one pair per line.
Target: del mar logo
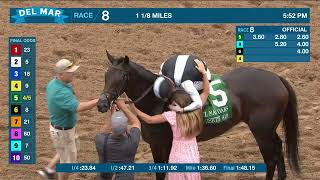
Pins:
x,y
36,14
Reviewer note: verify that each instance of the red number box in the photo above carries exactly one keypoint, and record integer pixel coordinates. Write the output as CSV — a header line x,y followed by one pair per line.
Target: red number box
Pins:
x,y
15,49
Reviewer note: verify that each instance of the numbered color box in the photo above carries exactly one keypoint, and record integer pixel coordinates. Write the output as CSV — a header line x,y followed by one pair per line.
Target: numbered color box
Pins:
x,y
239,44
240,37
15,73
16,121
16,97
15,133
239,51
15,85
240,58
15,49
15,158
15,145
15,109
15,61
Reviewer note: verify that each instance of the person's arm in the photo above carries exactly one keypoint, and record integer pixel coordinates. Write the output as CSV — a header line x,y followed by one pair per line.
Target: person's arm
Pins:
x,y
198,99
206,88
147,118
83,106
194,94
133,119
201,67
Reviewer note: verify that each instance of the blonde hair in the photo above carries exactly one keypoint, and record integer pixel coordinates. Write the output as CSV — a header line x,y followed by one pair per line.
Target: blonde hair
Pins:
x,y
189,123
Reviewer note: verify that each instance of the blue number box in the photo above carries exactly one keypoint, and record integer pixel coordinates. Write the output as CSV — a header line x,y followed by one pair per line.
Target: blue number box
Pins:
x,y
15,73
15,157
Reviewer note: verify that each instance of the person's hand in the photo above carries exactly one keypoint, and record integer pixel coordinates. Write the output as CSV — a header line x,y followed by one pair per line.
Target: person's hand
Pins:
x,y
121,104
134,109
175,107
114,108
132,106
200,66
96,101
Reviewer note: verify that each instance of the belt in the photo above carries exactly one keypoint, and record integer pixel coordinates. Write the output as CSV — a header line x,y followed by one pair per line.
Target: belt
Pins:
x,y
60,128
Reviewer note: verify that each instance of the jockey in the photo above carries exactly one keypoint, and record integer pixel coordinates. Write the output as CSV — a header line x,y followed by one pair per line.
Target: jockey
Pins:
x,y
181,71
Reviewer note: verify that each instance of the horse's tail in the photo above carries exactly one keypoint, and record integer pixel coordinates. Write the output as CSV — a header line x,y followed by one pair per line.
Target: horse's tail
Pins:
x,y
291,128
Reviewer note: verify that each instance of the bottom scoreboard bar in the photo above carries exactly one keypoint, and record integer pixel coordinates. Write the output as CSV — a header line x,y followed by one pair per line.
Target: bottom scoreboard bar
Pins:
x,y
145,167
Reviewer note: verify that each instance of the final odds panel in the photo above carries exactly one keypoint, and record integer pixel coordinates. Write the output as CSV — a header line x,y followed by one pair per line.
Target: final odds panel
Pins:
x,y
72,71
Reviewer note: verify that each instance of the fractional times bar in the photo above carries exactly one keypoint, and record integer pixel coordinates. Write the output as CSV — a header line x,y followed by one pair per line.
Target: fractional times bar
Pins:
x,y
160,167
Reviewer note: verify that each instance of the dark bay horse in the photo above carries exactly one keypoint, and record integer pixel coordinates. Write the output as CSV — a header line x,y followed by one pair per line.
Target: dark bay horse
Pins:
x,y
260,98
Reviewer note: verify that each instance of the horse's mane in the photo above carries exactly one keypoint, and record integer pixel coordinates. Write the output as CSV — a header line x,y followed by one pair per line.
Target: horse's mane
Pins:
x,y
143,72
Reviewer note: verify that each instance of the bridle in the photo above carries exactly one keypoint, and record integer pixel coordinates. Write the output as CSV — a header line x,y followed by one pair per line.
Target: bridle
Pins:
x,y
125,79
105,96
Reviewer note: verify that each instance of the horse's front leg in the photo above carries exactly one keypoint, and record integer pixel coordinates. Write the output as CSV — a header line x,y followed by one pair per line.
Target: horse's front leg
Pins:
x,y
160,153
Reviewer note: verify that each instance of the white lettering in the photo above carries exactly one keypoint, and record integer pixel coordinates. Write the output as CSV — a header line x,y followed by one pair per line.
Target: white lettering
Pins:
x,y
43,11
50,12
294,29
22,13
86,15
162,15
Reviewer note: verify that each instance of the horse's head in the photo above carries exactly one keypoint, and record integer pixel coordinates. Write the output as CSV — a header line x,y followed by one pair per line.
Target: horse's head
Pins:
x,y
116,80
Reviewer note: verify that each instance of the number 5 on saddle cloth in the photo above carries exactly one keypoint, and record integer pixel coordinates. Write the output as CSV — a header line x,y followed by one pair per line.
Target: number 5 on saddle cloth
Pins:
x,y
219,104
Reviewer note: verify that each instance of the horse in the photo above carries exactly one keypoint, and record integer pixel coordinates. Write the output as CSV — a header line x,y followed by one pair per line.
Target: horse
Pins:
x,y
260,98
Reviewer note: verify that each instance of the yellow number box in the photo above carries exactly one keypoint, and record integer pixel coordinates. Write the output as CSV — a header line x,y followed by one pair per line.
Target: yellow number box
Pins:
x,y
240,58
15,85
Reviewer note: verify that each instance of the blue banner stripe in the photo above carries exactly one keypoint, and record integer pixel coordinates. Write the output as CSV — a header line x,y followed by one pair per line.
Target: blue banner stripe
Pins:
x,y
159,15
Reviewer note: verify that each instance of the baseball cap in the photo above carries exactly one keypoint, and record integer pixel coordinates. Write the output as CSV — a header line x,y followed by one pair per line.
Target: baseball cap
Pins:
x,y
64,65
119,123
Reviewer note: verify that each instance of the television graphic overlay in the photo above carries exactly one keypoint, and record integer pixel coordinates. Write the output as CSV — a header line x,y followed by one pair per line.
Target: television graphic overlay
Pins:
x,y
281,37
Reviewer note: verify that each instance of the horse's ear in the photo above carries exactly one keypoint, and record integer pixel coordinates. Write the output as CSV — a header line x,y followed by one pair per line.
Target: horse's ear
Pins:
x,y
126,59
110,58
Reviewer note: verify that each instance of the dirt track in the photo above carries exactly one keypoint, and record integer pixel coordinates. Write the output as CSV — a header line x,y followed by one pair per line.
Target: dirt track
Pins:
x,y
149,45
